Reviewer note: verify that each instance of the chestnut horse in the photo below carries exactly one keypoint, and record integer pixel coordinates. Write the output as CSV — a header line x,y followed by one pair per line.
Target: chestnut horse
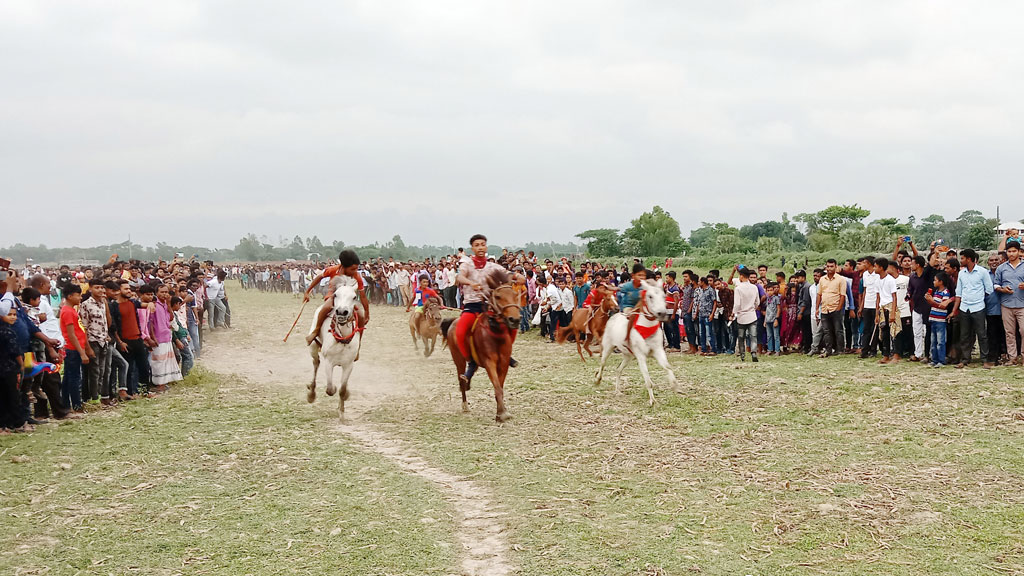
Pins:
x,y
490,339
426,325
595,318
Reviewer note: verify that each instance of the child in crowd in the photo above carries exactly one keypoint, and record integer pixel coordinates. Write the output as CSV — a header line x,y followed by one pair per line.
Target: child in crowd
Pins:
x,y
939,297
78,351
11,361
179,335
771,319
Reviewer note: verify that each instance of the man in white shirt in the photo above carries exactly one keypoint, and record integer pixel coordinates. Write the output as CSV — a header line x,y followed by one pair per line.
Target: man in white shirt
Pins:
x,y
886,309
568,302
551,301
214,307
903,344
868,300
746,299
403,284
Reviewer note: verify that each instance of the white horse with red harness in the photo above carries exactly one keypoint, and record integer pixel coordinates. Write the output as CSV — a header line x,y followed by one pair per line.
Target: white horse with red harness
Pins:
x,y
337,344
645,339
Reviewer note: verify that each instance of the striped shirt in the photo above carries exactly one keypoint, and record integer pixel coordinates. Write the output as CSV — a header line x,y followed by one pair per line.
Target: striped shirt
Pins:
x,y
939,313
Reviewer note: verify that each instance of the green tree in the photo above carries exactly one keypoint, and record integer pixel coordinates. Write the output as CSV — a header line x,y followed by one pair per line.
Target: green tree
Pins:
x,y
820,241
929,229
731,243
981,236
249,248
769,245
704,237
601,242
654,232
832,219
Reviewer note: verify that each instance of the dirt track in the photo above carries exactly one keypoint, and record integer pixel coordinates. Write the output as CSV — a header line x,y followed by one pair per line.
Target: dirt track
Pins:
x,y
389,370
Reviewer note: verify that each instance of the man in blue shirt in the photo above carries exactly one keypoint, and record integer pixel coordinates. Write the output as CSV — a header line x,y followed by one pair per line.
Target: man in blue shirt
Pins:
x,y
972,285
1009,283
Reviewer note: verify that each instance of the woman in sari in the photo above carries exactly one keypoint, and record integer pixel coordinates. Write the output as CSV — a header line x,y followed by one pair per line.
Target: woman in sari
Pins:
x,y
162,362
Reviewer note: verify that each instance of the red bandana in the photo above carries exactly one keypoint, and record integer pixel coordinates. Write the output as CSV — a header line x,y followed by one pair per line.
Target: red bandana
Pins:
x,y
479,262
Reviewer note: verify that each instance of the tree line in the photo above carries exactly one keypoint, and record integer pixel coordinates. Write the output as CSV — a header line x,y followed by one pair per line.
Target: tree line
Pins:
x,y
253,248
838,227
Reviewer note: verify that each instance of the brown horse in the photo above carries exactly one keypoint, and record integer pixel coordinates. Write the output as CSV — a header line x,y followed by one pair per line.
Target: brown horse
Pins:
x,y
426,325
596,319
490,340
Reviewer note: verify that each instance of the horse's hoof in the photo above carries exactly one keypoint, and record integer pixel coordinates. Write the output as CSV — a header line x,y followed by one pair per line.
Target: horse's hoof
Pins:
x,y
465,407
311,396
331,390
503,417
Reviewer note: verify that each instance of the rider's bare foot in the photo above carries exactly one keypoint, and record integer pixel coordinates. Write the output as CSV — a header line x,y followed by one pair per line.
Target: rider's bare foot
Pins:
x,y
310,338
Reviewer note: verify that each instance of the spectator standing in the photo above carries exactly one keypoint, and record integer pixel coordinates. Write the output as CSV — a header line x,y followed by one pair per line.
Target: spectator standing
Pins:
x,y
868,312
939,299
903,343
686,309
78,352
95,317
973,284
831,303
997,349
885,308
745,300
12,417
772,320
705,304
1010,285
921,281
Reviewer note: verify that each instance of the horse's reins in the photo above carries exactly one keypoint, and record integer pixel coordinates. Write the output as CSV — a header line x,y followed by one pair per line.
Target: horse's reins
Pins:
x,y
500,310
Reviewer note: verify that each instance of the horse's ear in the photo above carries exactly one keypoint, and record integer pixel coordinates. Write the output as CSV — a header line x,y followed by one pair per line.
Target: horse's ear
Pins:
x,y
492,281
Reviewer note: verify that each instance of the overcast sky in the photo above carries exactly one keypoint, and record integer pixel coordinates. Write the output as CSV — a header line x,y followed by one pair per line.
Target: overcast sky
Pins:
x,y
197,122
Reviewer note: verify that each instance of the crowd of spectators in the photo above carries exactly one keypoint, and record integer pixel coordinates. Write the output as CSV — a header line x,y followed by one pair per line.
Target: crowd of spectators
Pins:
x,y
102,335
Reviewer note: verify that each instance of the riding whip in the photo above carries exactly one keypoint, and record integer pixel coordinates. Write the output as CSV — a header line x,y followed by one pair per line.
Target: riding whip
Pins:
x,y
301,308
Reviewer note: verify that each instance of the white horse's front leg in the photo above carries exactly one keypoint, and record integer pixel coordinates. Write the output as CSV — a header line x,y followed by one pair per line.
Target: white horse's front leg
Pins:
x,y
605,353
346,371
330,380
659,355
642,361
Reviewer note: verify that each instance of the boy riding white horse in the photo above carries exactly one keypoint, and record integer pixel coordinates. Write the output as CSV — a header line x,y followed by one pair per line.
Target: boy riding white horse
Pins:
x,y
639,333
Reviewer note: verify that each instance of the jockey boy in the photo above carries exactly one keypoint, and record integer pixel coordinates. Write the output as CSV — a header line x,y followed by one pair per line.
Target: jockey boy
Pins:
x,y
423,292
629,295
475,290
345,272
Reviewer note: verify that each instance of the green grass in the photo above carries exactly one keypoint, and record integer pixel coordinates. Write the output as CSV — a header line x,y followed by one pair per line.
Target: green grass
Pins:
x,y
789,466
216,477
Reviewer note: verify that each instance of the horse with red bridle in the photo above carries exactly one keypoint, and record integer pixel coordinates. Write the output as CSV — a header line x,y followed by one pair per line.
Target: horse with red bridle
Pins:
x,y
489,339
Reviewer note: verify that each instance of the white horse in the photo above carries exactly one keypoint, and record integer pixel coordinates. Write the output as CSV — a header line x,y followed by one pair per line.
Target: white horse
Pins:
x,y
646,338
338,344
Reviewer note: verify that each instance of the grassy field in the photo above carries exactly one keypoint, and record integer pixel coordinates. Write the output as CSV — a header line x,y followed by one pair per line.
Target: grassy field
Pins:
x,y
789,466
215,477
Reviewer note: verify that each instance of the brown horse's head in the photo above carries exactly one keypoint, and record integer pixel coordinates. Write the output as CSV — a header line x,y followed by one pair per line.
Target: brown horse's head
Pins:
x,y
432,311
504,300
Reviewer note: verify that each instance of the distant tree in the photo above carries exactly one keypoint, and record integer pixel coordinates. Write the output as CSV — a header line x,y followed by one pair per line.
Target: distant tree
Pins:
x,y
769,245
654,231
820,241
981,236
602,242
249,248
832,219
704,237
787,232
730,243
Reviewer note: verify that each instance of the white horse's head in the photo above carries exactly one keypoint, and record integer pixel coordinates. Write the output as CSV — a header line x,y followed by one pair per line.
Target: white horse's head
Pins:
x,y
654,300
344,304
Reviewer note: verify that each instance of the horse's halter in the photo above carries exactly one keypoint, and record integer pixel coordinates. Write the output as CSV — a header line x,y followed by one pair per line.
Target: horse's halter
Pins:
x,y
500,310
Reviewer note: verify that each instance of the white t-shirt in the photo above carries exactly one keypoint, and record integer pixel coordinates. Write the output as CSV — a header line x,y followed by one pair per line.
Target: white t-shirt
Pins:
x,y
885,290
871,281
902,282
568,299
745,300
212,289
51,328
553,298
